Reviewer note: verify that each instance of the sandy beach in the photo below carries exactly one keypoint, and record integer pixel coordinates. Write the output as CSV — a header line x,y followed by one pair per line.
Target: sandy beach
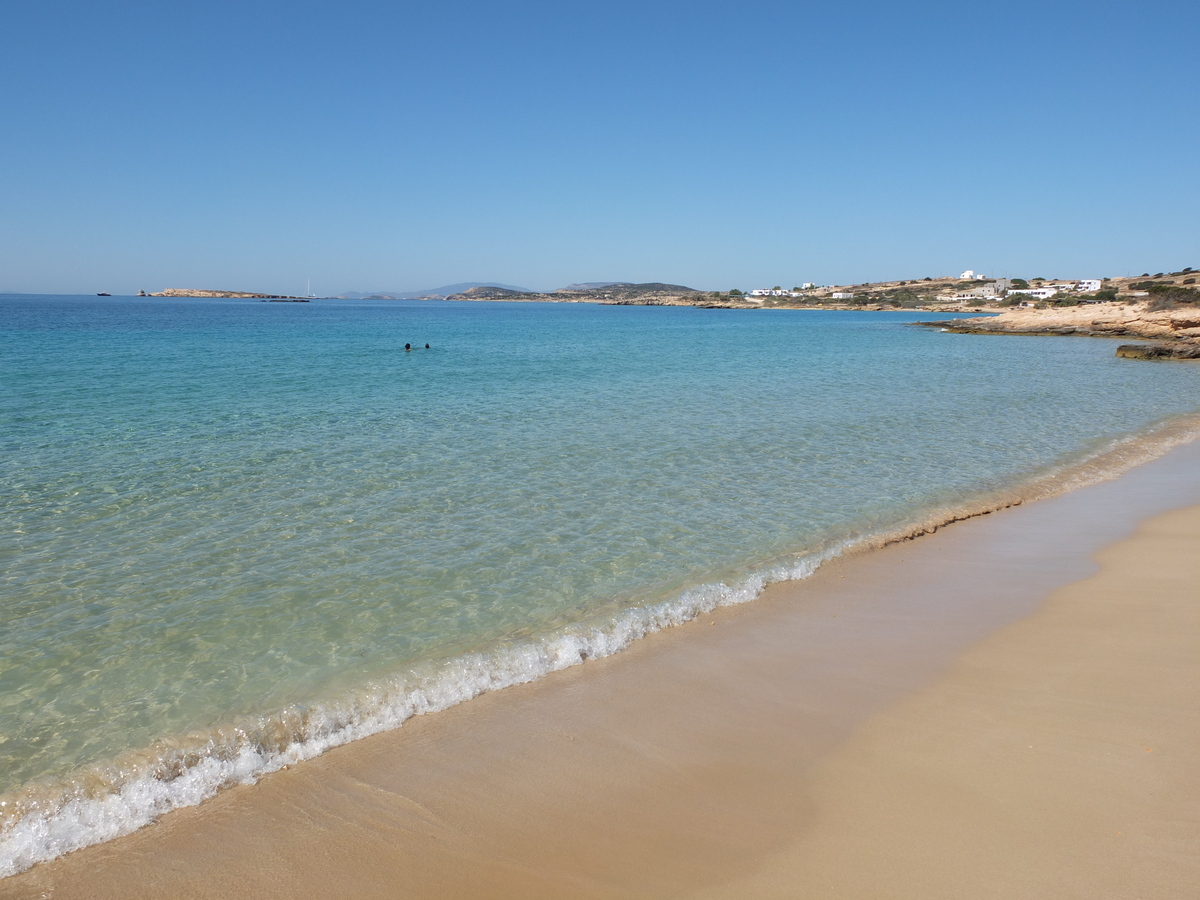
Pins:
x,y
1055,759
508,456
1005,708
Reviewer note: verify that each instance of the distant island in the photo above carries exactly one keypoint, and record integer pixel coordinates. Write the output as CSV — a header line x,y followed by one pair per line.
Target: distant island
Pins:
x,y
437,293
616,292
241,295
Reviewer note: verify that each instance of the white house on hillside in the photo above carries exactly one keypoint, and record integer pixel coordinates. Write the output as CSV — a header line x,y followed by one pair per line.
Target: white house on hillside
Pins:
x,y
772,292
1042,293
991,290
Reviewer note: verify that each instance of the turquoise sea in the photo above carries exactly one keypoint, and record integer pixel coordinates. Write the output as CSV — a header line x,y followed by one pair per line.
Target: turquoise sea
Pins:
x,y
234,533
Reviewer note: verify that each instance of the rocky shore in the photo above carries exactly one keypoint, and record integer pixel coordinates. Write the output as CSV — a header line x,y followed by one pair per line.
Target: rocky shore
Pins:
x,y
1180,350
1176,331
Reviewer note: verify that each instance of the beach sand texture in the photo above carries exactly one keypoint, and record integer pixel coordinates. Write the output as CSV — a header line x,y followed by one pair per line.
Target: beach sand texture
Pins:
x,y
979,713
1056,759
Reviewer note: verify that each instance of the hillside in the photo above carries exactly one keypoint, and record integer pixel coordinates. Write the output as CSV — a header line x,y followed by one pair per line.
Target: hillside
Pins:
x,y
437,293
616,293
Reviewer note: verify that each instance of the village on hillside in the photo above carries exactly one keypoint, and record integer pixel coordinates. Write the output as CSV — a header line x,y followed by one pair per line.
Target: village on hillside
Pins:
x,y
970,291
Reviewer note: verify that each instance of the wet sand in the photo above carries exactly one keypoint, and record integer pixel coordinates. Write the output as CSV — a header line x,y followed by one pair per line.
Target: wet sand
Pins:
x,y
975,713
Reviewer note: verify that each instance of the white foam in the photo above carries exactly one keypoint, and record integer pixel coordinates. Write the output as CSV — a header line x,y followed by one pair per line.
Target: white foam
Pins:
x,y
42,825
186,774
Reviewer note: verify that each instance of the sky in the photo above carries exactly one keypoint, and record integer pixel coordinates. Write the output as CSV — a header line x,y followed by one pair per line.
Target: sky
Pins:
x,y
372,146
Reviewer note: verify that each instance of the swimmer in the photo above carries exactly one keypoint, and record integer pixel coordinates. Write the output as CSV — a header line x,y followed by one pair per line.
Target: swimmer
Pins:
x,y
407,347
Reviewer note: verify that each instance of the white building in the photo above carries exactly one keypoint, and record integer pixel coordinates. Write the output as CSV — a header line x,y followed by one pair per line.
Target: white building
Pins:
x,y
843,295
990,290
772,292
1088,285
971,275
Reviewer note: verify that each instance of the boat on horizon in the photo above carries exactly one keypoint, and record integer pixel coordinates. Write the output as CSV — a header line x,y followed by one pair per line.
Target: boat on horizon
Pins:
x,y
103,294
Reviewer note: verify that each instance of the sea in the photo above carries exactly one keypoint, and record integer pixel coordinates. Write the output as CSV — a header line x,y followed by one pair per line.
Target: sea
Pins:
x,y
234,534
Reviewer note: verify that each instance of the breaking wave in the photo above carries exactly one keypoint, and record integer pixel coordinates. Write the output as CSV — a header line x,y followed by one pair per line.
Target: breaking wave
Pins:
x,y
100,802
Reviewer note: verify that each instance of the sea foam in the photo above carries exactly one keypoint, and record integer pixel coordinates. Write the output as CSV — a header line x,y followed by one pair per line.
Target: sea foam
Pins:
x,y
44,821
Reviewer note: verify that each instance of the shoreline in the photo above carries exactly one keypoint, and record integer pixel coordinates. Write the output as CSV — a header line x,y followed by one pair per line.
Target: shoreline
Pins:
x,y
1055,758
105,801
609,777
1177,326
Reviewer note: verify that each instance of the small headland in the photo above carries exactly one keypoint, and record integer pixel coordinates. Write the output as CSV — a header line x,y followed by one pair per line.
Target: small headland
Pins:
x,y
1174,327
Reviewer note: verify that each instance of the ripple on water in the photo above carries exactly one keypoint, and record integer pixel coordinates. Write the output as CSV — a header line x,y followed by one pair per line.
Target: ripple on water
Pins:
x,y
221,520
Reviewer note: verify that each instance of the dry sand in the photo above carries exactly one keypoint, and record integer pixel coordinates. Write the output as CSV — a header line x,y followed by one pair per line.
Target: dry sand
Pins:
x,y
919,721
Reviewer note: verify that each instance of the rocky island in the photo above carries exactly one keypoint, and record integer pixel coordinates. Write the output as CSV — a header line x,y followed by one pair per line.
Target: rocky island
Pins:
x,y
240,295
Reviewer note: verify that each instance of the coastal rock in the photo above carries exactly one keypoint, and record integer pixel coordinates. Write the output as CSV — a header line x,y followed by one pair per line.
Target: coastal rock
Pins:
x,y
1092,320
1159,351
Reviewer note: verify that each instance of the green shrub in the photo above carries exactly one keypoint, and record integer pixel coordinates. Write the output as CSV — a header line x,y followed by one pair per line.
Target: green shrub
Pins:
x,y
1168,296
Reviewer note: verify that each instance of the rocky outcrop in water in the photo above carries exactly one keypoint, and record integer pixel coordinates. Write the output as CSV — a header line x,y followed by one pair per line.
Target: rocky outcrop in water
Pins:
x,y
1176,330
1181,350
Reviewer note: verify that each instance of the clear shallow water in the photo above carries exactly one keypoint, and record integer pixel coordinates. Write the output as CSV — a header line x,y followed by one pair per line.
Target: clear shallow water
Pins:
x,y
213,511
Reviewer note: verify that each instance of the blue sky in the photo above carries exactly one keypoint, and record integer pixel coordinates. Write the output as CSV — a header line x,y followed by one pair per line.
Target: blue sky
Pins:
x,y
392,146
